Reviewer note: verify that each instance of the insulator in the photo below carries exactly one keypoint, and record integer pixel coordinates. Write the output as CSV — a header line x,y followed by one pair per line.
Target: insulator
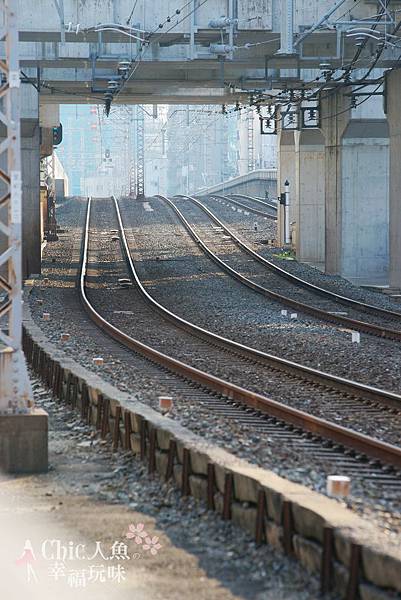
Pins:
x,y
123,65
325,68
360,40
222,22
221,48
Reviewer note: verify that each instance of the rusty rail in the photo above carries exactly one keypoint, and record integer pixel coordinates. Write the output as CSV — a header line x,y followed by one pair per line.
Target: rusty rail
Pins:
x,y
256,211
387,453
370,328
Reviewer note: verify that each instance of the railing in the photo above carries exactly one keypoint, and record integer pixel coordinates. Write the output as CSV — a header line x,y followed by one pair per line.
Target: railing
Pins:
x,y
258,174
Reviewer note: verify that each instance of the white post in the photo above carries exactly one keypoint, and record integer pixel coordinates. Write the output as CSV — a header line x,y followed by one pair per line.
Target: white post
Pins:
x,y
287,212
15,389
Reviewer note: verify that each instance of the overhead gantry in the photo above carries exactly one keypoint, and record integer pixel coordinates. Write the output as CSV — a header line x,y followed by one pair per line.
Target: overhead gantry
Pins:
x,y
258,52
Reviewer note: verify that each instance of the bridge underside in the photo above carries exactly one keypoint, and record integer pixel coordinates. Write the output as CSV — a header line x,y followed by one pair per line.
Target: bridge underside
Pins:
x,y
336,218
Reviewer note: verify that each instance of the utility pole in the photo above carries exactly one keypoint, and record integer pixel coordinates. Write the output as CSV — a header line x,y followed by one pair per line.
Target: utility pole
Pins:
x,y
251,158
140,153
15,389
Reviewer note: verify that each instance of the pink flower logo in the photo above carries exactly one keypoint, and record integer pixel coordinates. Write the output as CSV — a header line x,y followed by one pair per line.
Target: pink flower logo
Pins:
x,y
152,545
136,533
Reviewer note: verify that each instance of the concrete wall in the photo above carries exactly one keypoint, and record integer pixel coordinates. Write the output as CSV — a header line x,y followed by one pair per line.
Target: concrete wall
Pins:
x,y
394,120
254,184
252,14
365,207
357,180
62,182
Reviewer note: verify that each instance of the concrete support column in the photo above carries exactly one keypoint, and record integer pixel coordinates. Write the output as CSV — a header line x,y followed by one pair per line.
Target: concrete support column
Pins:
x,y
30,161
393,90
335,117
31,230
285,171
309,197
356,187
30,167
365,212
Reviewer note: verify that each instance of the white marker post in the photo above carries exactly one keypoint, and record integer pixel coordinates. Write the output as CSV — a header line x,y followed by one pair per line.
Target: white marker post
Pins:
x,y
356,337
287,212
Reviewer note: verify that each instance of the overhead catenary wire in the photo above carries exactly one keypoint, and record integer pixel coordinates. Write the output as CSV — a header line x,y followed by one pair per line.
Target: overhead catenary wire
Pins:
x,y
146,42
132,12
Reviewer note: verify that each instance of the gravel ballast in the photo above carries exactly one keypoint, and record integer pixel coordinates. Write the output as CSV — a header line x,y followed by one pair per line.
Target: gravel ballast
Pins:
x,y
232,436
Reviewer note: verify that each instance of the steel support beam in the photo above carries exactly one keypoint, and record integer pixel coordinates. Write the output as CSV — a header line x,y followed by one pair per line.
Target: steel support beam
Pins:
x,y
15,388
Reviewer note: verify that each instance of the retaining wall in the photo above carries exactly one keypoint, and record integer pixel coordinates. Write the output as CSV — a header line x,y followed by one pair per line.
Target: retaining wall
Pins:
x,y
351,555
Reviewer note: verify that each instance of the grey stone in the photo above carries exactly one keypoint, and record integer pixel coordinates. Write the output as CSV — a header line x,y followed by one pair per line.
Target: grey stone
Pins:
x,y
244,516
161,462
340,578
274,534
371,592
198,487
135,443
23,442
163,438
382,568
308,553
245,488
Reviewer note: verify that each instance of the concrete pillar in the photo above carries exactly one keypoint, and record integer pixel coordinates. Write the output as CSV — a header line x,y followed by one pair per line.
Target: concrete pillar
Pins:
x,y
285,171
365,222
357,166
30,160
333,128
393,109
31,230
30,166
309,197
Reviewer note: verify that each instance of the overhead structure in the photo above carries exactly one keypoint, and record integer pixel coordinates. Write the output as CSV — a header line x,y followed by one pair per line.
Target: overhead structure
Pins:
x,y
208,52
15,388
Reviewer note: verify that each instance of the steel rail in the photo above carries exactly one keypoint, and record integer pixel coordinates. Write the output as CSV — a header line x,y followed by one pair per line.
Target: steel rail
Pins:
x,y
258,200
308,373
302,282
256,211
371,447
362,326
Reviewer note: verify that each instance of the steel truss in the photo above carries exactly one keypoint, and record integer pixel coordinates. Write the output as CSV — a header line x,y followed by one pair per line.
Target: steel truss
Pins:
x,y
15,388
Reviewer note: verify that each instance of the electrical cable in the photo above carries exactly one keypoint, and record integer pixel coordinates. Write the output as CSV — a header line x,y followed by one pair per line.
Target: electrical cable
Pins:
x,y
160,26
132,12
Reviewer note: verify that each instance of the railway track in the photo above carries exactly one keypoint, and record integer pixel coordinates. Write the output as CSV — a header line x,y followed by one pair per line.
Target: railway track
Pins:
x,y
268,212
281,422
266,278
253,199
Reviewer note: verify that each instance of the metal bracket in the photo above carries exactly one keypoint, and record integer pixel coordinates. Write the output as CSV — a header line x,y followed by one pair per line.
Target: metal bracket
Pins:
x,y
59,4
